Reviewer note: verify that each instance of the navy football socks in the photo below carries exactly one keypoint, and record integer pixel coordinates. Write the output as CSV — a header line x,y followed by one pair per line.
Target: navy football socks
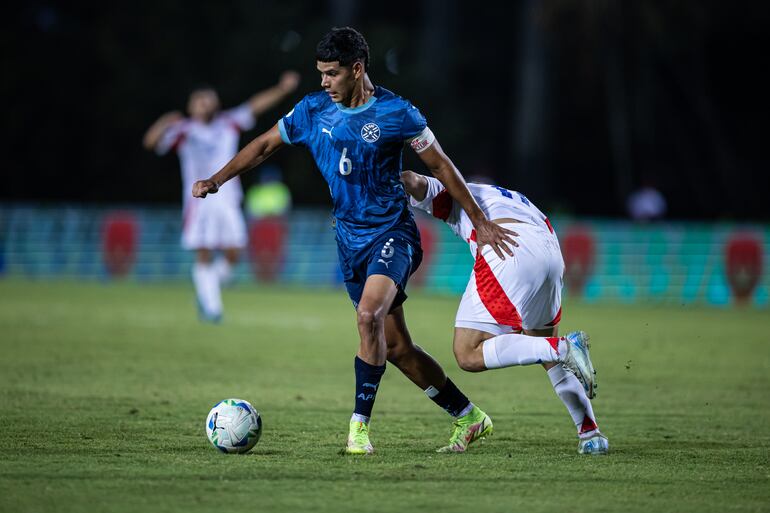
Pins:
x,y
450,398
367,382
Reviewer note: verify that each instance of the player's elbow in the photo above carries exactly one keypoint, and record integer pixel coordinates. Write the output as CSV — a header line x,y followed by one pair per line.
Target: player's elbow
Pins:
x,y
409,180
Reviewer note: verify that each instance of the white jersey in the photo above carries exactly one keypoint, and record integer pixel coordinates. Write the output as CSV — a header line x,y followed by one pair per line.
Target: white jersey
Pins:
x,y
495,202
204,148
512,294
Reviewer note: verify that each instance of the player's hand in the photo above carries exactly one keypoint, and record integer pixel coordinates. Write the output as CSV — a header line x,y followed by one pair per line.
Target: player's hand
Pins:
x,y
172,117
496,236
203,187
289,81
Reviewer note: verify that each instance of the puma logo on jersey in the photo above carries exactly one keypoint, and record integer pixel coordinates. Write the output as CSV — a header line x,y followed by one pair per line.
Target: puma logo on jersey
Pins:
x,y
325,131
387,264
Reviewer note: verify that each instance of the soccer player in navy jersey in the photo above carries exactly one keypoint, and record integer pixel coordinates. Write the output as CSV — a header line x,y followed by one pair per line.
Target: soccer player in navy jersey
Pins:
x,y
356,133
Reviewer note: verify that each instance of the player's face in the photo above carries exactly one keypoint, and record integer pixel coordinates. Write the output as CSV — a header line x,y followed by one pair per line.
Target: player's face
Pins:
x,y
203,104
339,81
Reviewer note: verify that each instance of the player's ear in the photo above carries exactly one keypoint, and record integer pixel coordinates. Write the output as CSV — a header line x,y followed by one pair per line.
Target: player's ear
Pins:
x,y
358,69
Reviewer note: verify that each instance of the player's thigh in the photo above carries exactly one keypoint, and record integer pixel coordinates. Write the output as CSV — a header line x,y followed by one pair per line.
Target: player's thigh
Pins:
x,y
203,256
468,340
232,254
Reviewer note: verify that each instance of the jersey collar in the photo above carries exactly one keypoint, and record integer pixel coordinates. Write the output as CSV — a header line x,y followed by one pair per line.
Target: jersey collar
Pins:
x,y
360,108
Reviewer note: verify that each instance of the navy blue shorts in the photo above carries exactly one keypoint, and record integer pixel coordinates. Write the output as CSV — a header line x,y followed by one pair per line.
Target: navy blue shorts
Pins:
x,y
396,254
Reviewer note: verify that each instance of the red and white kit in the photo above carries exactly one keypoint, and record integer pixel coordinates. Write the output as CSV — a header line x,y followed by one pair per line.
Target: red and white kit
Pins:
x,y
504,296
204,148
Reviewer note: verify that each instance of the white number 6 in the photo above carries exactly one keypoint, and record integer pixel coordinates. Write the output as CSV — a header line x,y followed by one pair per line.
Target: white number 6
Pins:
x,y
346,165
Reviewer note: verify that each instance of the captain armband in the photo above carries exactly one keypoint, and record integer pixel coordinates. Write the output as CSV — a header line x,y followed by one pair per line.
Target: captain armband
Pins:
x,y
420,142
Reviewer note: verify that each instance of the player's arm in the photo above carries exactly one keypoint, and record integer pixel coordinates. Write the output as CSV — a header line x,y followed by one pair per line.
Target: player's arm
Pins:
x,y
442,168
269,98
415,185
252,155
154,134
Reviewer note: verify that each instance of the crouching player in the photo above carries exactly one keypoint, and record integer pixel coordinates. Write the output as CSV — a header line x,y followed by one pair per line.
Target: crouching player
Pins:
x,y
510,311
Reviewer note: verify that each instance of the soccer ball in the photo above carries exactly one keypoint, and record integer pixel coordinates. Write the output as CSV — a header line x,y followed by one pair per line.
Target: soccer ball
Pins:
x,y
233,426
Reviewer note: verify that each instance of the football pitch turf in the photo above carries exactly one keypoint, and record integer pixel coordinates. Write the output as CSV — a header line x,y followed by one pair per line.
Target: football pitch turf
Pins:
x,y
104,389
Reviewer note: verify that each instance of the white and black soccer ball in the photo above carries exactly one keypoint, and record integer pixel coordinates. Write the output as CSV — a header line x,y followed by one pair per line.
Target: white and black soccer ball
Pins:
x,y
233,426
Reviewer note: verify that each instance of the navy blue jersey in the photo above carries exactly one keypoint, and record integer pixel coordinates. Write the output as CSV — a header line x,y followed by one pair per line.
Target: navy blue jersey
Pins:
x,y
358,151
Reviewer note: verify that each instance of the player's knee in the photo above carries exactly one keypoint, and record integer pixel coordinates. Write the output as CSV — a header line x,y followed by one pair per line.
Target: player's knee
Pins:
x,y
369,318
469,360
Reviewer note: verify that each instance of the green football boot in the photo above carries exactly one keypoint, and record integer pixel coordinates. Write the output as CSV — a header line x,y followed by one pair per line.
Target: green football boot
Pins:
x,y
476,425
358,439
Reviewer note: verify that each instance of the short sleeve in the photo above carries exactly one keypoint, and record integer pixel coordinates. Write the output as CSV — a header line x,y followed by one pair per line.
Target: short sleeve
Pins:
x,y
414,123
171,139
295,126
241,116
437,202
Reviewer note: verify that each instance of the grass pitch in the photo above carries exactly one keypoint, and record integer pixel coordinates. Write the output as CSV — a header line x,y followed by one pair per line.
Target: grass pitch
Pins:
x,y
104,390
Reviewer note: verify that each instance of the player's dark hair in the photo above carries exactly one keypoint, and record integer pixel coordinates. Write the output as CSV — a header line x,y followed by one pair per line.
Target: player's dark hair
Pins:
x,y
202,86
343,44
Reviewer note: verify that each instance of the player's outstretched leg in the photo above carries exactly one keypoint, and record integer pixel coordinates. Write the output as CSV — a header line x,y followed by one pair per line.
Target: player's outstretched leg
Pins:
x,y
478,351
471,423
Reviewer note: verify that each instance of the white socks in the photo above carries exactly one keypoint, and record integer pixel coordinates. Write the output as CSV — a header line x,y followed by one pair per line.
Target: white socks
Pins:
x,y
206,279
572,394
513,349
224,270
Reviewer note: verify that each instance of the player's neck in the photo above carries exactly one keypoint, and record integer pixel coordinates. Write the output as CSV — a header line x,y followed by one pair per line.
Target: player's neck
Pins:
x,y
362,93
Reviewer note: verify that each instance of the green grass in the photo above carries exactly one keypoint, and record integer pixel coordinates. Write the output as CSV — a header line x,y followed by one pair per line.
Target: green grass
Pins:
x,y
104,390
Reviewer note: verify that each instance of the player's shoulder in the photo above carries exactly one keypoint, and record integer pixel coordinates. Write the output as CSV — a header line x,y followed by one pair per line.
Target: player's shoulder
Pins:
x,y
316,101
392,99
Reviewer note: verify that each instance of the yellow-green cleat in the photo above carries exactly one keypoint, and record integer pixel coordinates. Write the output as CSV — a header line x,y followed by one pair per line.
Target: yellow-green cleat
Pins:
x,y
476,425
358,439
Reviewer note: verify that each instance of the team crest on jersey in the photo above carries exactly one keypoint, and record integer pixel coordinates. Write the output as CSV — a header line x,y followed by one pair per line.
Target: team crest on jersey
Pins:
x,y
370,132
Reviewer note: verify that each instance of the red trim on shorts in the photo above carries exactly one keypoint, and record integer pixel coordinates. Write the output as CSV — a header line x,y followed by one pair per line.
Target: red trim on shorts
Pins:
x,y
442,205
556,319
473,236
548,224
493,296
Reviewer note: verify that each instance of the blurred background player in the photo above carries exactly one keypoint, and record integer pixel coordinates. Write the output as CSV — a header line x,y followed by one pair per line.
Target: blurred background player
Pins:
x,y
204,142
509,314
356,133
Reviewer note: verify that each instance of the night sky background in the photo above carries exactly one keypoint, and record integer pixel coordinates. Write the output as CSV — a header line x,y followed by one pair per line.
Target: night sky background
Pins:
x,y
575,103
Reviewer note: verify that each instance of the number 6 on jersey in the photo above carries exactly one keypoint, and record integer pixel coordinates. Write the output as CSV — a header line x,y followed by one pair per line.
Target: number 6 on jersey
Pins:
x,y
346,165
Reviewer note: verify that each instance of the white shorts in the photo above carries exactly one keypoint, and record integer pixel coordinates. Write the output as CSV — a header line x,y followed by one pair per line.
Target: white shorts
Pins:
x,y
213,225
519,293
